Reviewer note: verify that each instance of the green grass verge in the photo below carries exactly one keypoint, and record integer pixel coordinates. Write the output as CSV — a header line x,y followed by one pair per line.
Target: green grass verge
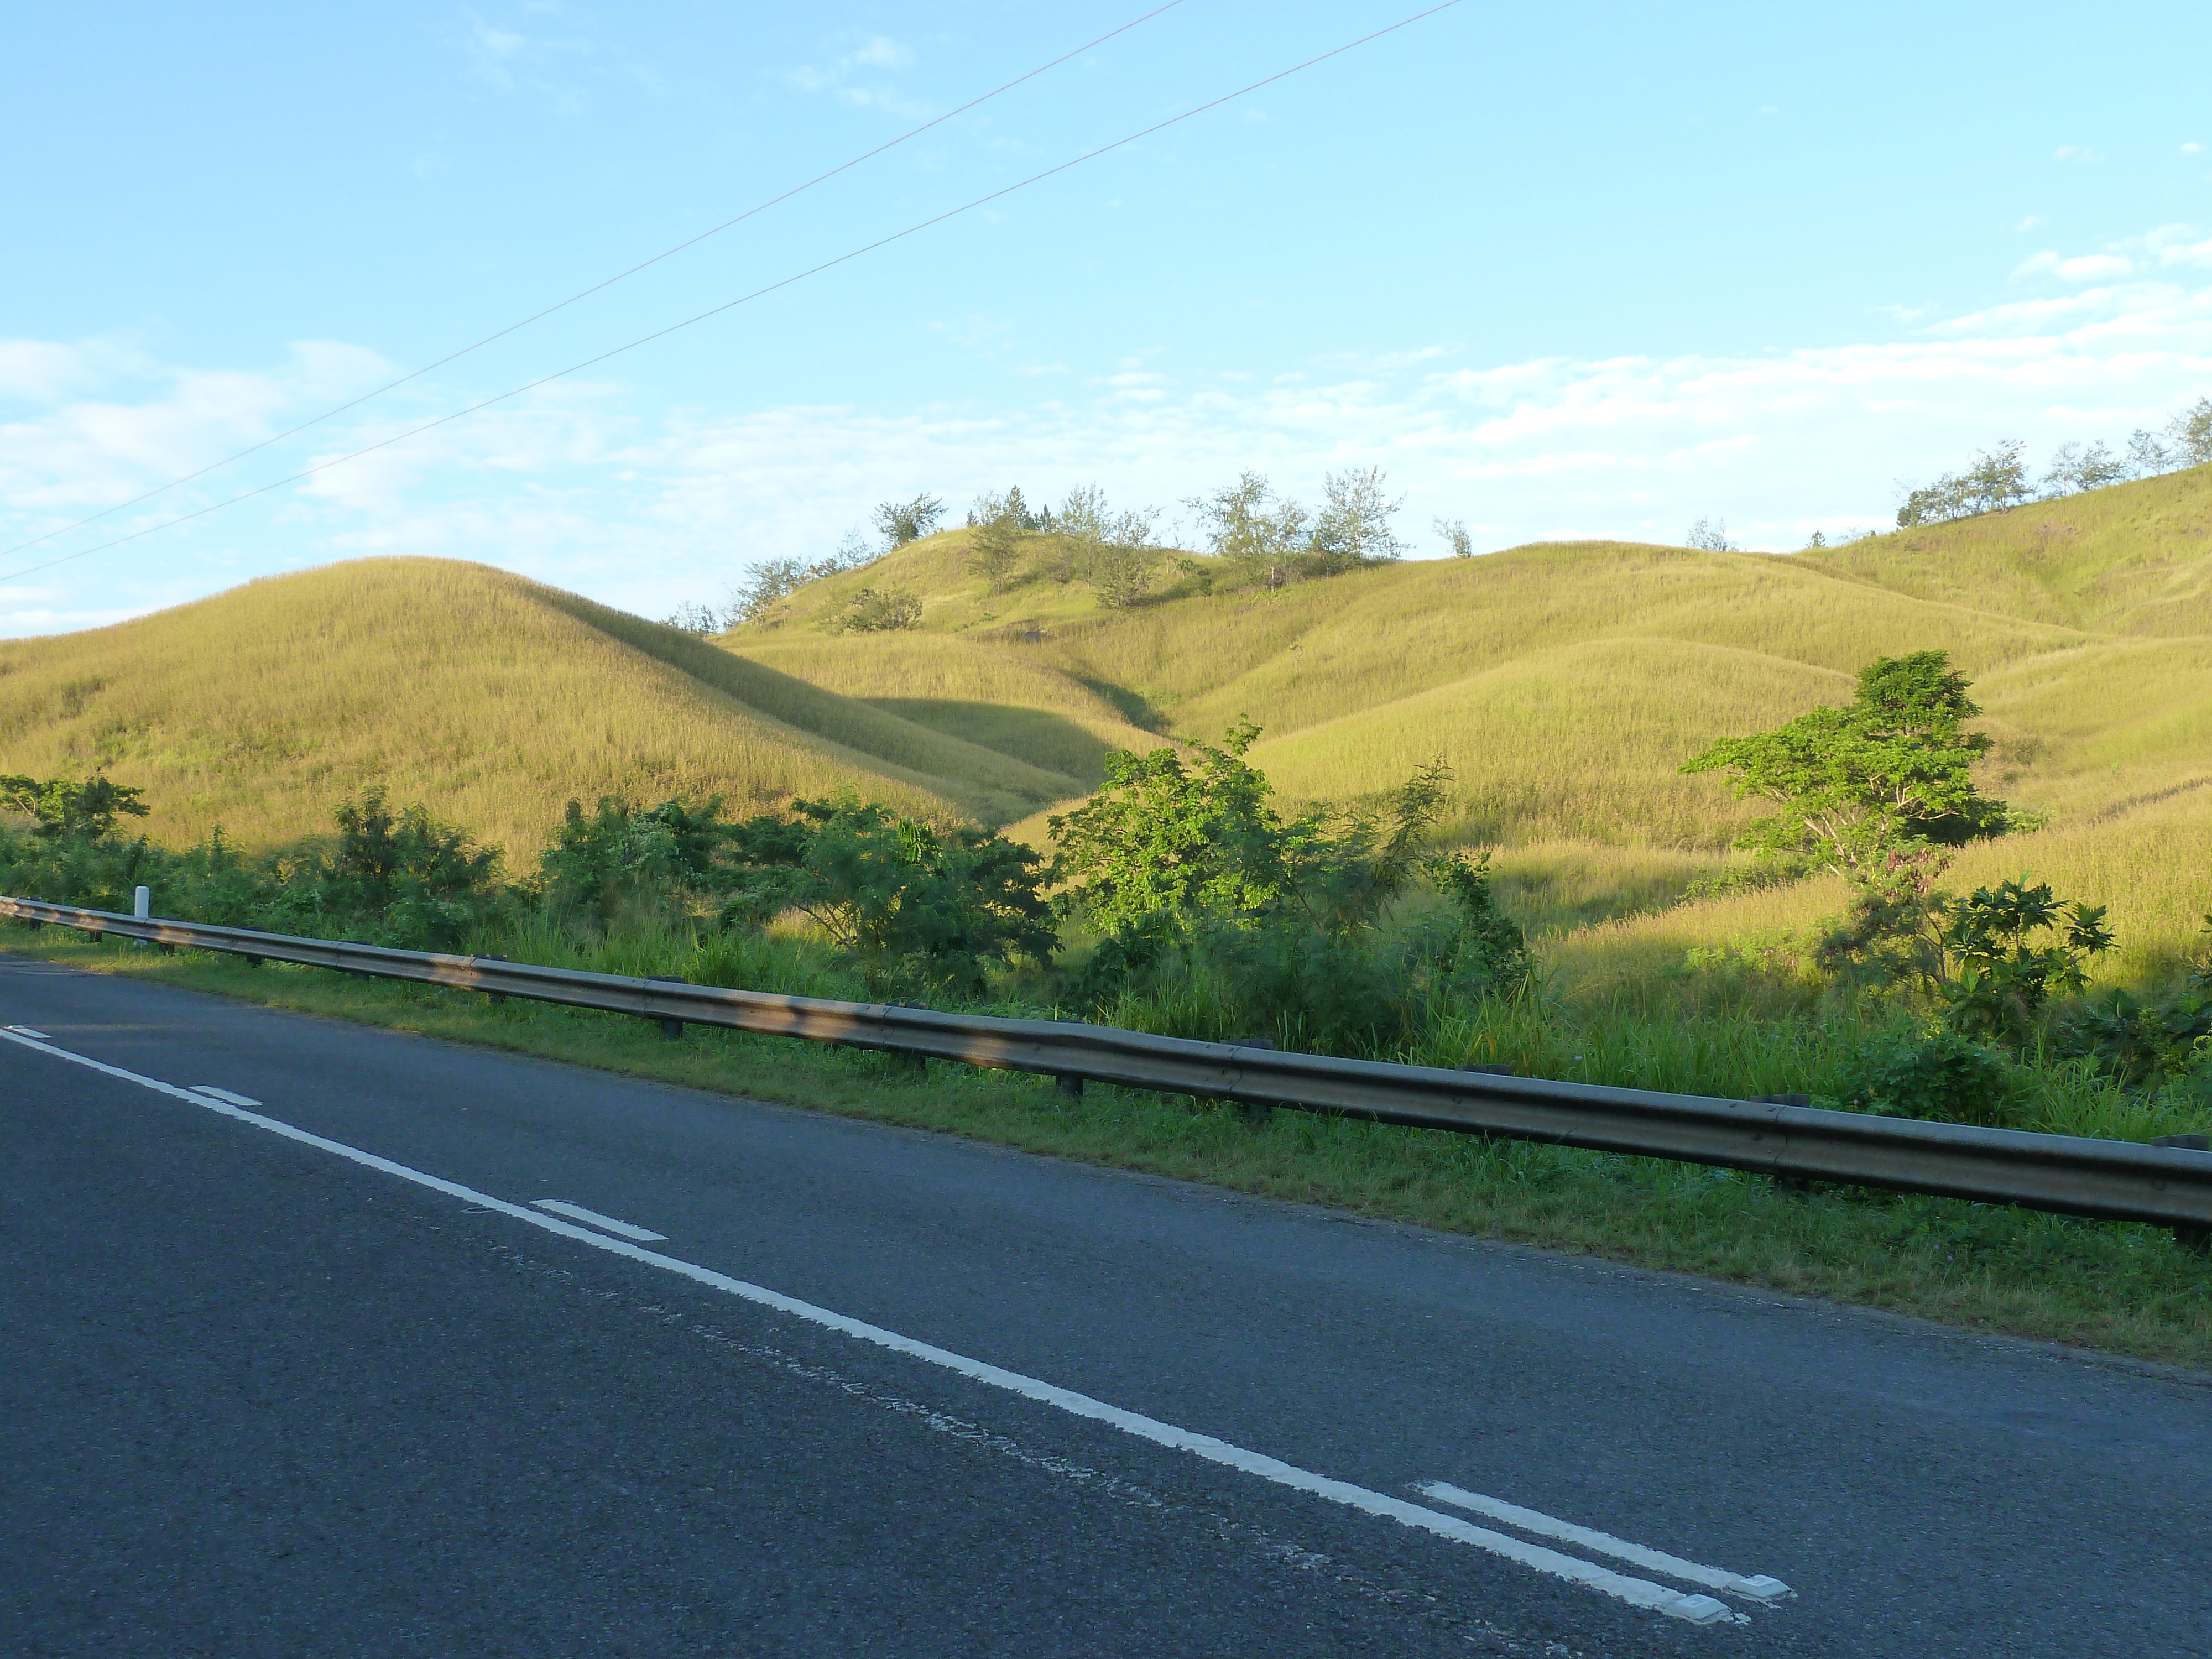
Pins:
x,y
2121,1289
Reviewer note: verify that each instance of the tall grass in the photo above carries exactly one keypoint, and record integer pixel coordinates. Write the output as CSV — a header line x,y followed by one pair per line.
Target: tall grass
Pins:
x,y
491,698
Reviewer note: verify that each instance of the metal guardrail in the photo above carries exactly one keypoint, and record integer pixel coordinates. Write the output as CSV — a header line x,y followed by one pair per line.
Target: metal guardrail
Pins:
x,y
2115,1180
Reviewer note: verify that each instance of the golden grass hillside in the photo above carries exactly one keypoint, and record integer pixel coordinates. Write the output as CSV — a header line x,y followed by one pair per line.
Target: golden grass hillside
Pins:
x,y
1565,683
493,698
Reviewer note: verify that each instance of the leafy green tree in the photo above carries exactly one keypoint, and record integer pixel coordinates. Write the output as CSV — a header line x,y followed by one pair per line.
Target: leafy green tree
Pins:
x,y
994,547
2147,456
404,876
1112,550
1167,836
1246,525
914,903
59,808
618,854
1354,525
2073,469
1195,840
901,522
2191,431
1893,766
1996,481
1455,536
1992,961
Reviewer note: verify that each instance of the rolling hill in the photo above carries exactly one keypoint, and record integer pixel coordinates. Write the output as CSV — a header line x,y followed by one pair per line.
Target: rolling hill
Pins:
x,y
1564,684
494,698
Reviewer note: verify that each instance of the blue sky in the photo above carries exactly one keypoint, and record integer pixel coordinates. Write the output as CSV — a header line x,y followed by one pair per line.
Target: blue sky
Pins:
x,y
1560,272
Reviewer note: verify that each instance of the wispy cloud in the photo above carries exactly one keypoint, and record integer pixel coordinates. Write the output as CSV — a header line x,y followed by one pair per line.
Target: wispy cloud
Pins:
x,y
2084,268
515,61
860,75
642,510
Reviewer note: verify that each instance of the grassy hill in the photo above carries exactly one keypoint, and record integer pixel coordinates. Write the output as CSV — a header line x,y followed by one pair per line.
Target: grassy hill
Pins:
x,y
494,698
1564,682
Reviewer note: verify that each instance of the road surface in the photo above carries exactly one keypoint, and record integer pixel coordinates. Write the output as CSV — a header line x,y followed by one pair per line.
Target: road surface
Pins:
x,y
326,1340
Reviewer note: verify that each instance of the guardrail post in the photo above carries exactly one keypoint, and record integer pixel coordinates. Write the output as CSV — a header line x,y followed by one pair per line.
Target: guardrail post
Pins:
x,y
918,1065
1789,1186
1255,1112
2197,1241
1068,1085
670,1026
497,998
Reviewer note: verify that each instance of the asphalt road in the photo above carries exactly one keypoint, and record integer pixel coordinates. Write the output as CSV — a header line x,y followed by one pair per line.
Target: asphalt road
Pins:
x,y
260,1396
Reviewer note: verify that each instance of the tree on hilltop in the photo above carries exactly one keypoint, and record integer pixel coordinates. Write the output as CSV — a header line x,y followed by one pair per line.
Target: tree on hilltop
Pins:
x,y
1113,550
1996,481
997,540
901,522
1246,524
2191,431
1353,528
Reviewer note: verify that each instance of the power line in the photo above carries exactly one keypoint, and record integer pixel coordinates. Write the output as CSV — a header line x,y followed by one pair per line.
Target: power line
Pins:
x,y
743,299
586,294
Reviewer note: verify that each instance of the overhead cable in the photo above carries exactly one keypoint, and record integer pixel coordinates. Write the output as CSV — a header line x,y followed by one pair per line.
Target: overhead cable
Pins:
x,y
743,299
586,294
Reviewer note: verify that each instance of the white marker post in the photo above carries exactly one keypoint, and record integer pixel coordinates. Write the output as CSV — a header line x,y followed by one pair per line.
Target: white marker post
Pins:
x,y
142,903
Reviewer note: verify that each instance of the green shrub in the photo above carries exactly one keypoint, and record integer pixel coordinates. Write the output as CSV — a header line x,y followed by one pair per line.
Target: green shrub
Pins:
x,y
921,908
1943,1076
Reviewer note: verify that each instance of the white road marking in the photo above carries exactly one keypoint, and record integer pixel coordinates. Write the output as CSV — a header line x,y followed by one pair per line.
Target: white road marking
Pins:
x,y
1698,1609
222,1094
578,1212
1758,1587
28,1032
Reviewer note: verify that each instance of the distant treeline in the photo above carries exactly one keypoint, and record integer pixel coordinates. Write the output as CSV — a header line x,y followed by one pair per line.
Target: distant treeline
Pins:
x,y
1258,538
1999,478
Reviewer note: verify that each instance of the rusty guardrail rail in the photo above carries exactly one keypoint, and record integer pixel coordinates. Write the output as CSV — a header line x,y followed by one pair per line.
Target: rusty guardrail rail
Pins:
x,y
2123,1181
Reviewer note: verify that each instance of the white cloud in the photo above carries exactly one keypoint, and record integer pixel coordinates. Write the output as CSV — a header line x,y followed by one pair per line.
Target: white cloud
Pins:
x,y
2076,153
846,77
2032,222
510,61
879,52
2084,268
642,510
2192,148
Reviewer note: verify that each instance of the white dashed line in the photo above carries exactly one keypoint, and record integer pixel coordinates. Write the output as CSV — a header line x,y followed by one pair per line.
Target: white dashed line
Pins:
x,y
1694,1608
1758,1588
578,1212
